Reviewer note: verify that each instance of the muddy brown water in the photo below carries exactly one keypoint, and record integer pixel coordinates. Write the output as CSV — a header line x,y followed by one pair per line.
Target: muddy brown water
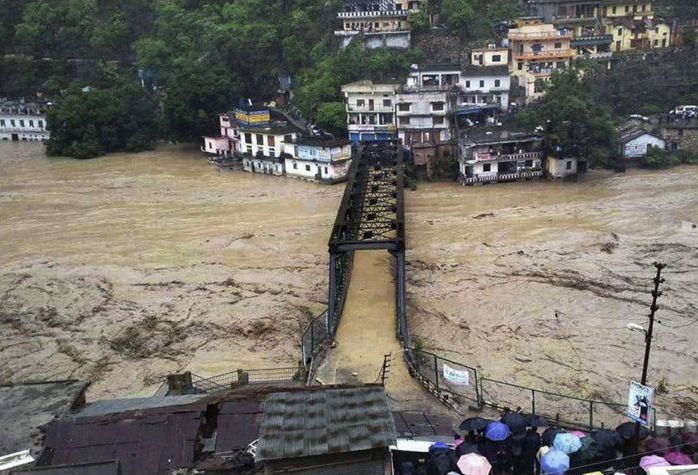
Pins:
x,y
125,268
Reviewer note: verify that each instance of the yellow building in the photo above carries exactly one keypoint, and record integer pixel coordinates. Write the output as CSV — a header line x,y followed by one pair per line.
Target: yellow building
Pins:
x,y
536,51
635,9
640,35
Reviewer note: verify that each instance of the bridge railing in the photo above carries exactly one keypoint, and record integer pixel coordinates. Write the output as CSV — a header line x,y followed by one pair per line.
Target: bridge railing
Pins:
x,y
313,337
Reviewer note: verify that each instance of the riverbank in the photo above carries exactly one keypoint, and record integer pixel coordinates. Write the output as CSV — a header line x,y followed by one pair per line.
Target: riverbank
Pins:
x,y
125,268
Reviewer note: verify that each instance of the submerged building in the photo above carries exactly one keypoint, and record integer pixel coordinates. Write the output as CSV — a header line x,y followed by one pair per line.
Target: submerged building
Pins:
x,y
23,121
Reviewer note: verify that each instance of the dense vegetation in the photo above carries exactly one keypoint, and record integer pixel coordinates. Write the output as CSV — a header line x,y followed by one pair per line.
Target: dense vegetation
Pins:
x,y
206,54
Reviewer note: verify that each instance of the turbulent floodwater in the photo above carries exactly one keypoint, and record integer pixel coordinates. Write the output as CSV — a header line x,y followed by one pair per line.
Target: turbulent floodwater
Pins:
x,y
126,268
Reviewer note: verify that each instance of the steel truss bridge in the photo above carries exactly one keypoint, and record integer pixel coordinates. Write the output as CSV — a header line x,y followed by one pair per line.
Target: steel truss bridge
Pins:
x,y
371,216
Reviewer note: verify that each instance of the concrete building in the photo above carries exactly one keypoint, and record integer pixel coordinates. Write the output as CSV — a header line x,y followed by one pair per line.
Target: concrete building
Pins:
x,y
482,85
680,135
635,143
561,168
370,110
487,155
378,23
537,50
490,56
23,121
322,159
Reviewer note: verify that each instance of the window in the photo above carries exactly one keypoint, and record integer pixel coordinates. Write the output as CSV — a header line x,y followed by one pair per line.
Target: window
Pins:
x,y
12,122
325,170
497,83
467,84
31,123
482,83
528,163
620,31
437,106
614,10
404,120
643,7
248,138
627,8
438,121
487,167
360,103
2,122
569,164
271,141
260,139
210,145
520,66
21,122
496,58
295,166
558,45
307,168
387,103
404,107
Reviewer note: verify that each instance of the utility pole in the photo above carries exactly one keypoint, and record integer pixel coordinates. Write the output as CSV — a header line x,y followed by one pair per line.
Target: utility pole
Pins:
x,y
656,293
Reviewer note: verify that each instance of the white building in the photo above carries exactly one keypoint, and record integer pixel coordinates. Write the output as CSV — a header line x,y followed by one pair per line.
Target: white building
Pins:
x,y
434,75
637,142
490,56
23,121
370,110
485,85
381,23
487,156
322,159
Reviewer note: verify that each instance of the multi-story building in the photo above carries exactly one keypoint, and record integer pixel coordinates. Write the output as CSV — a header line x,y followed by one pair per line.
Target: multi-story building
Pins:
x,y
23,121
485,86
381,23
640,35
489,155
536,51
370,110
323,158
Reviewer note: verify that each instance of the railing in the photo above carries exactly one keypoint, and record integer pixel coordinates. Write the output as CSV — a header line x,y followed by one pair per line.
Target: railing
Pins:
x,y
531,55
535,35
502,177
591,40
367,108
313,337
510,156
374,13
456,384
243,377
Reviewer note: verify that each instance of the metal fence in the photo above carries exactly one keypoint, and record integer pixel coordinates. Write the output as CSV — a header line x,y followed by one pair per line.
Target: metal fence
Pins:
x,y
456,382
313,337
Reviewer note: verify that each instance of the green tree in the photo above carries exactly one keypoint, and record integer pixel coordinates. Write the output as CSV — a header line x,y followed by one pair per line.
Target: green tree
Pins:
x,y
332,116
196,94
458,15
575,123
103,120
658,158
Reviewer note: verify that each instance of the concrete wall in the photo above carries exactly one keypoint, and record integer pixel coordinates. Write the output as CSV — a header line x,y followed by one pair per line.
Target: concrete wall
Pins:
x,y
23,127
638,147
682,138
489,57
266,167
561,167
315,171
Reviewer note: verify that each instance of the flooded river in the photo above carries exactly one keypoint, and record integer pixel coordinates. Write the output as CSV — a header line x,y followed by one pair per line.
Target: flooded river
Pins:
x,y
126,268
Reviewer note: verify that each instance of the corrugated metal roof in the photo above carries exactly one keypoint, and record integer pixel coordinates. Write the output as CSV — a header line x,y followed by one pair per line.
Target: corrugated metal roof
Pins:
x,y
110,467
324,421
238,424
112,406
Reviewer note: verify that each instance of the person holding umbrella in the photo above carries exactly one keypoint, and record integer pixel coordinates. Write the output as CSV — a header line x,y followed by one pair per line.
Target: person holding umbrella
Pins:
x,y
494,448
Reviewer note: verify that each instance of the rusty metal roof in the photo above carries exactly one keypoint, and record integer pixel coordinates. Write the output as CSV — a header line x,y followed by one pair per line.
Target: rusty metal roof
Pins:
x,y
110,467
324,421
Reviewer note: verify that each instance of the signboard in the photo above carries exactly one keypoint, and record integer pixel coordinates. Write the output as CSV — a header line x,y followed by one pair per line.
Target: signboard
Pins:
x,y
456,376
640,402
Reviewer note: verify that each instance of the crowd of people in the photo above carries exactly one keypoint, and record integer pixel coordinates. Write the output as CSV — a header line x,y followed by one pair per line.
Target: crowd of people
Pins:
x,y
516,445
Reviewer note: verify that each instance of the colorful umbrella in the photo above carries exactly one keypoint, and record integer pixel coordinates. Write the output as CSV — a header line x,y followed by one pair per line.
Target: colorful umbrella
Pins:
x,y
438,446
653,461
657,444
474,464
497,431
474,423
678,458
554,461
589,450
578,433
567,443
549,434
515,421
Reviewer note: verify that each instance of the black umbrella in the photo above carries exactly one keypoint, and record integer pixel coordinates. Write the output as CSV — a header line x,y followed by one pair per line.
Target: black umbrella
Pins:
x,y
533,420
606,440
549,434
474,423
515,421
627,431
467,448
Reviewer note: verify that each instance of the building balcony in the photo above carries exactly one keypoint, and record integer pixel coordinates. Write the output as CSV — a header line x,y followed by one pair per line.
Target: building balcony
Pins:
x,y
373,14
371,127
538,35
367,108
492,178
594,40
508,157
537,55
598,56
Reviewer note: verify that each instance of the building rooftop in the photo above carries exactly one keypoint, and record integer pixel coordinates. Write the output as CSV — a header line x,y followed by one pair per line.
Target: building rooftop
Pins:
x,y
26,409
111,467
440,67
367,85
326,421
274,128
114,406
634,133
473,70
